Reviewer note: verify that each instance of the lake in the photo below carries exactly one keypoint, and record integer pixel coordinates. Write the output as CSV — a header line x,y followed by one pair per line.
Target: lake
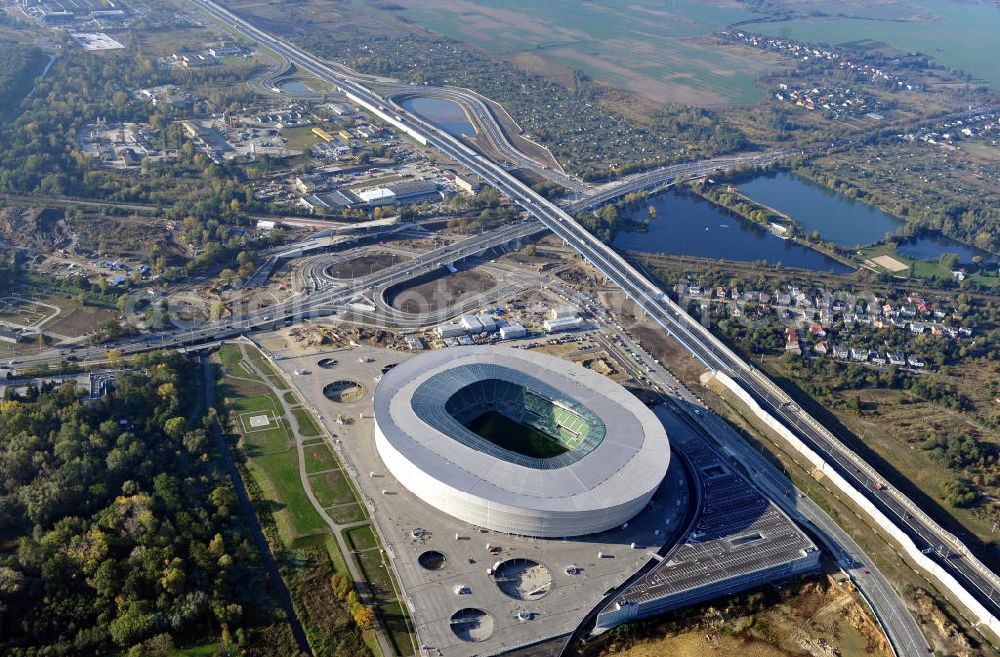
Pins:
x,y
688,225
837,218
931,248
445,114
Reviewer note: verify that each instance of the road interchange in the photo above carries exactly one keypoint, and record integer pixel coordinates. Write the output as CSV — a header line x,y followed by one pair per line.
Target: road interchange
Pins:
x,y
924,532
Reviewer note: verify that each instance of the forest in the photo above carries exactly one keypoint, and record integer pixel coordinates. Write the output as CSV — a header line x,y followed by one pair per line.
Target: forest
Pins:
x,y
120,532
21,65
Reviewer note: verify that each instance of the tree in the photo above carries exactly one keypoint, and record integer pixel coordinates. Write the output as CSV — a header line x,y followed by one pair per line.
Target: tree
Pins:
x,y
132,626
227,276
364,617
948,260
174,427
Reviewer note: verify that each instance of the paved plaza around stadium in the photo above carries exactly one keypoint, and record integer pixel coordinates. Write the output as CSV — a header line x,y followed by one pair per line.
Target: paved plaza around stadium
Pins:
x,y
411,528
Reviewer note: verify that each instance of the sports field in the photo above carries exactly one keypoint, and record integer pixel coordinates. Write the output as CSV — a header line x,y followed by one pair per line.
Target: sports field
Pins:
x,y
26,313
511,435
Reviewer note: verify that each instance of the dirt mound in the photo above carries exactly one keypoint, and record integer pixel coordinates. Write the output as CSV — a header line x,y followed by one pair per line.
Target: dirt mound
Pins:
x,y
33,227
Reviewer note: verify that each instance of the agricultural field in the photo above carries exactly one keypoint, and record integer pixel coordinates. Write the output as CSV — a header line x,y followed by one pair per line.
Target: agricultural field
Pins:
x,y
959,35
660,50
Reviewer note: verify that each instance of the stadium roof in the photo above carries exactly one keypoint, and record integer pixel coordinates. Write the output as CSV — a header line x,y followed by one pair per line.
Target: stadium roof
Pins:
x,y
626,460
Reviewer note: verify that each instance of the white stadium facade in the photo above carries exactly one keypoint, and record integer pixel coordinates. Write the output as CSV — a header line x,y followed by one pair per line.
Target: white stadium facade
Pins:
x,y
519,442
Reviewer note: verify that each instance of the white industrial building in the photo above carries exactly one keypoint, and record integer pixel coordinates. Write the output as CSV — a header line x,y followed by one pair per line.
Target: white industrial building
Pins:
x,y
512,331
451,330
563,312
402,192
489,324
476,324
617,451
414,343
471,323
563,324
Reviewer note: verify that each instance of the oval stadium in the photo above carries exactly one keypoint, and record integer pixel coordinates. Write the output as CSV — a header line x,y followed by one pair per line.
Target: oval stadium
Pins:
x,y
518,442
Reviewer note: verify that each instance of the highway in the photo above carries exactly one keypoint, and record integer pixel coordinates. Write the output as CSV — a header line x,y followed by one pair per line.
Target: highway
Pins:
x,y
899,625
669,174
971,573
489,126
323,302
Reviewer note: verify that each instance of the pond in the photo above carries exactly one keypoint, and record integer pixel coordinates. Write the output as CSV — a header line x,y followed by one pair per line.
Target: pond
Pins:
x,y
445,114
837,218
689,225
932,246
295,86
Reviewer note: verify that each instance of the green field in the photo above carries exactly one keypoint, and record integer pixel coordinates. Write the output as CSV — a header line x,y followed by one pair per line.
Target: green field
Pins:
x,y
275,437
278,475
232,360
299,139
345,514
319,457
271,455
305,423
331,487
511,435
361,538
960,35
925,268
204,650
394,619
660,49
264,367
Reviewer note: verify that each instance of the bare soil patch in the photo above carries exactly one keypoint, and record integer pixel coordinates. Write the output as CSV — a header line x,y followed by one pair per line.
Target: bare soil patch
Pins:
x,y
80,321
364,265
890,263
815,617
442,292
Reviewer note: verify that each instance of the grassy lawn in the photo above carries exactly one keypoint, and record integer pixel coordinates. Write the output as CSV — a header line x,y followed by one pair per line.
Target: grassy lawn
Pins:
x,y
263,366
346,513
306,425
326,541
275,437
290,398
203,650
232,360
923,268
361,538
331,488
375,572
516,437
299,139
394,620
319,457
278,476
